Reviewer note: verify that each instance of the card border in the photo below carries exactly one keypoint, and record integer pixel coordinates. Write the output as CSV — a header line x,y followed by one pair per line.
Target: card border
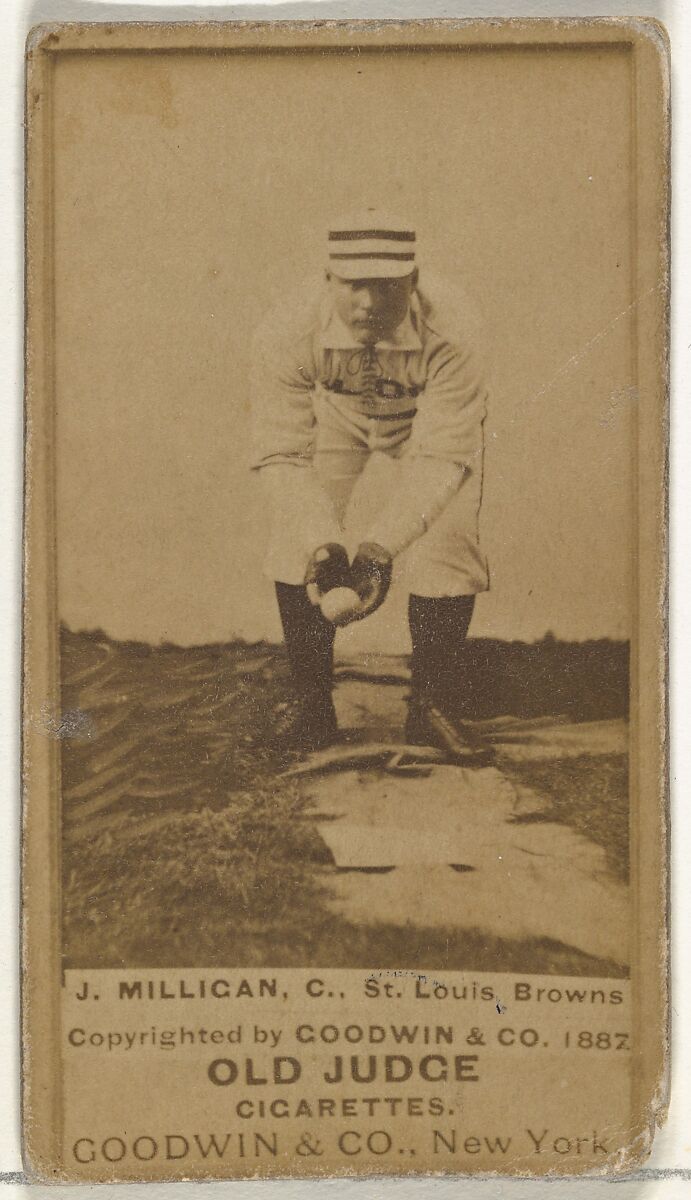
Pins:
x,y
41,964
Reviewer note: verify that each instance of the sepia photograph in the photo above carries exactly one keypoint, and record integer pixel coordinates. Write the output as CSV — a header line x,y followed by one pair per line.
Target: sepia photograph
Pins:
x,y
344,526
344,480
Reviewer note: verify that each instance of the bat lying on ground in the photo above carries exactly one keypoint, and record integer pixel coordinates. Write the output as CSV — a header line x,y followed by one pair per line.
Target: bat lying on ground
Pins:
x,y
385,754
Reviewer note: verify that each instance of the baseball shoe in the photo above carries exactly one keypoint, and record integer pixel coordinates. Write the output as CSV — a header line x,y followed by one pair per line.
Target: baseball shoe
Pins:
x,y
305,724
429,725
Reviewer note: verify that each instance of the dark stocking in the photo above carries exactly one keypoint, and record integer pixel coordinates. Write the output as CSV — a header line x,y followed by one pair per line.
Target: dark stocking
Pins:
x,y
309,639
438,629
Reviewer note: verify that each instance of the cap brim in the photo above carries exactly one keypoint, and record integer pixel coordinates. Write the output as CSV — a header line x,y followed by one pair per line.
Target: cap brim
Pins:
x,y
370,268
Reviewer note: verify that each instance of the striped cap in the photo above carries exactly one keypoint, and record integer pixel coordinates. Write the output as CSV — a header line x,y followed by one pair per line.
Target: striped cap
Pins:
x,y
370,246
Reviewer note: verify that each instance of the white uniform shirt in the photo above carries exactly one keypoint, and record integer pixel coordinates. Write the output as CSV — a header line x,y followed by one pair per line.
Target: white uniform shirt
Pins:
x,y
426,383
419,396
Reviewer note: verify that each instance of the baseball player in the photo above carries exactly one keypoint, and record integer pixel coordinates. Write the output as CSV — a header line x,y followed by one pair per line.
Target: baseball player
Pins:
x,y
370,363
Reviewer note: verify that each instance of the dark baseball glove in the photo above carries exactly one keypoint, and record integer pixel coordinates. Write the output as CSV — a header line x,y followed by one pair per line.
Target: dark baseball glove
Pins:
x,y
327,568
370,576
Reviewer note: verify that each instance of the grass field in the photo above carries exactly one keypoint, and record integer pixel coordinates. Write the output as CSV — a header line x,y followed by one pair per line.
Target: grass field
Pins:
x,y
182,848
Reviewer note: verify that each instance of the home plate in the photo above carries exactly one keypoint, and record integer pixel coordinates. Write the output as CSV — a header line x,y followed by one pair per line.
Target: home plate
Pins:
x,y
525,905
463,859
374,819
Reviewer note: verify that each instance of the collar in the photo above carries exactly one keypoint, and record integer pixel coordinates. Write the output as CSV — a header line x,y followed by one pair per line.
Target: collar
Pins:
x,y
335,334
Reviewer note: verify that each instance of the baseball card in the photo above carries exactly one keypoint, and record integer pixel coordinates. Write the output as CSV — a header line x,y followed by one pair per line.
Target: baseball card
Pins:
x,y
345,777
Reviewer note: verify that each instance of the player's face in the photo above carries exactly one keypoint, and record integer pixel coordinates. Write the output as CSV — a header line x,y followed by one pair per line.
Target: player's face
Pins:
x,y
371,308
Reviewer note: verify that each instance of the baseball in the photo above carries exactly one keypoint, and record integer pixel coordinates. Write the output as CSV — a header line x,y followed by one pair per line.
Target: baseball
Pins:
x,y
340,605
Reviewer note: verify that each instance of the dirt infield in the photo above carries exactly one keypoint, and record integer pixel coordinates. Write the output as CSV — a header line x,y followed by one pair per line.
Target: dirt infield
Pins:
x,y
186,844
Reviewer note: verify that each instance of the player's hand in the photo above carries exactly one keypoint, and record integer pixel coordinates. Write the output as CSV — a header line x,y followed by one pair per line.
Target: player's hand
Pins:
x,y
370,577
328,568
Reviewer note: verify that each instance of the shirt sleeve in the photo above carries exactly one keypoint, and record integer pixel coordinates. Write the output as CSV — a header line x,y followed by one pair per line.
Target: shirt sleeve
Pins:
x,y
426,487
452,408
282,391
445,447
302,515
